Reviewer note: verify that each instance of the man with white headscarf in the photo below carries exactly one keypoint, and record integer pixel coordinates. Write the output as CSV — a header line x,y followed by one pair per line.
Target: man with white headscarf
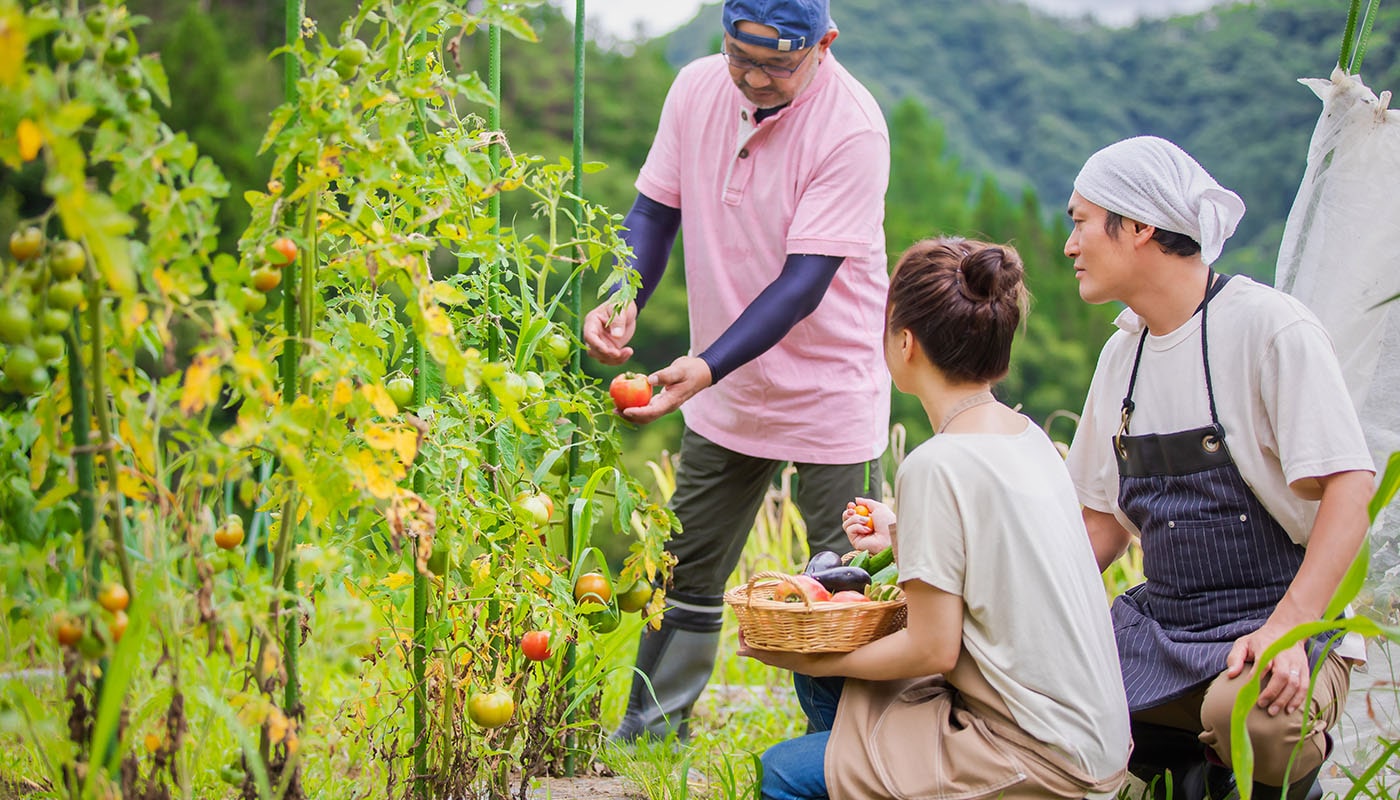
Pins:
x,y
1218,429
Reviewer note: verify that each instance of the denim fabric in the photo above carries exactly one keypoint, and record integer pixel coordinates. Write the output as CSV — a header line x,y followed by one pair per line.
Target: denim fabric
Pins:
x,y
796,769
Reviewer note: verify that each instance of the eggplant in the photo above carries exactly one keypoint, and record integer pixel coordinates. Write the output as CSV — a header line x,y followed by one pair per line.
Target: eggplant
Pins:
x,y
824,560
843,579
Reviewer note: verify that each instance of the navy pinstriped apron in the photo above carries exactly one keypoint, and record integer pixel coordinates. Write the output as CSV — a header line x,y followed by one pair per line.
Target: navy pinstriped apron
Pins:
x,y
1216,562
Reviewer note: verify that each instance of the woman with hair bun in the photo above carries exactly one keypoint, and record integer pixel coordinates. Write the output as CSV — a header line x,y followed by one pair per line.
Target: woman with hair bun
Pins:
x,y
1005,681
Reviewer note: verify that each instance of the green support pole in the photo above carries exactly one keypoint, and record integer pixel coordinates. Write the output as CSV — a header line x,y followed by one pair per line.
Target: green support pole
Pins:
x,y
576,307
420,581
296,312
493,121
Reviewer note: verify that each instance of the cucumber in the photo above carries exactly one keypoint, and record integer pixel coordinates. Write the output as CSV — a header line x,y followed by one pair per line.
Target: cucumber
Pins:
x,y
888,576
880,560
883,593
859,559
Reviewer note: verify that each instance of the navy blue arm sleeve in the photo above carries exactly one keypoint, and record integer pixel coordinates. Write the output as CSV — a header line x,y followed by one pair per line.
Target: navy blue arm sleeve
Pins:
x,y
787,301
651,231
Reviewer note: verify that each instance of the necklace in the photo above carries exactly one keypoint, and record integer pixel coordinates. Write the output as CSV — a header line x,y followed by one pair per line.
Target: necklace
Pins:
x,y
979,399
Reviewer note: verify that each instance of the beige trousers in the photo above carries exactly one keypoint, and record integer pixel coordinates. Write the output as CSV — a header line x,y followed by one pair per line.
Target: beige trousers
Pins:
x,y
1299,738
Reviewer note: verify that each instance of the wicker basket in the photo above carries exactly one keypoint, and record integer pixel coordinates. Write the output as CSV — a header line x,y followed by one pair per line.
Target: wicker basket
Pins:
x,y
807,627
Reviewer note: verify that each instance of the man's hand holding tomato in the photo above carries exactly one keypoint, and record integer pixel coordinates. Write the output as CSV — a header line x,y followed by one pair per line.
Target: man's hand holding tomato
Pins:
x,y
872,531
681,381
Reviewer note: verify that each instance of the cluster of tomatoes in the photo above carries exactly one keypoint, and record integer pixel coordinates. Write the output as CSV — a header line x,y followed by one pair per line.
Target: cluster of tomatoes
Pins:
x,y
496,707
83,635
41,290
268,275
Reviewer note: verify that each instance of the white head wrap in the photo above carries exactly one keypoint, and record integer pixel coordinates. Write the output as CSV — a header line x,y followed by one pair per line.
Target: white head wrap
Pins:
x,y
1153,181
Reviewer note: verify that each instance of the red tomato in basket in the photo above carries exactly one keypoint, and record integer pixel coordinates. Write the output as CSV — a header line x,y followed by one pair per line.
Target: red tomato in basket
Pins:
x,y
849,596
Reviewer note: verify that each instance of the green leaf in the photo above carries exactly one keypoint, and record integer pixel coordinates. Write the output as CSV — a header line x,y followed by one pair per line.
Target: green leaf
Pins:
x,y
1390,484
1351,583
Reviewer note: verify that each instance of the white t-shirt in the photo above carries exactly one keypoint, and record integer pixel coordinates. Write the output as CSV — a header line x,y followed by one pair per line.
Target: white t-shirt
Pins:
x,y
993,519
1279,394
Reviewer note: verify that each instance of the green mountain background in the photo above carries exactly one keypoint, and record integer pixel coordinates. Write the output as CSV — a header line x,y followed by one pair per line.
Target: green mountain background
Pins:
x,y
1026,97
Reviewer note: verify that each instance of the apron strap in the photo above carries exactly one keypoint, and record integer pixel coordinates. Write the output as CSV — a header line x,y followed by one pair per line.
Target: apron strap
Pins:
x,y
1213,287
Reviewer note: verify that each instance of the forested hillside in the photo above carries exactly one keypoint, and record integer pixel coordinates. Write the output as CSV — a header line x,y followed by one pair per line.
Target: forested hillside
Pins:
x,y
1027,96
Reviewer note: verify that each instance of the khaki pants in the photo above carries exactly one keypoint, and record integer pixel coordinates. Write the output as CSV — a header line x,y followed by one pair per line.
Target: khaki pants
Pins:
x,y
1275,739
947,738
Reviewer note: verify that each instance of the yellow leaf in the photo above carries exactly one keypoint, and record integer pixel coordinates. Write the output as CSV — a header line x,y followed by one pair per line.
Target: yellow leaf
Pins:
x,y
342,394
449,295
402,439
436,321
398,580
133,315
12,44
277,725
380,399
31,139
374,478
202,385
39,462
131,486
143,449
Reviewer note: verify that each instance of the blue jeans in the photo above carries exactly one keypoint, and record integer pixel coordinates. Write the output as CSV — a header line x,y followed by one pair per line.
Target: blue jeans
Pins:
x,y
796,769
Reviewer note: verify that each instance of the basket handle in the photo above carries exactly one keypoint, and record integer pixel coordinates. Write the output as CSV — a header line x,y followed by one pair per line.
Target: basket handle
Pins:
x,y
782,577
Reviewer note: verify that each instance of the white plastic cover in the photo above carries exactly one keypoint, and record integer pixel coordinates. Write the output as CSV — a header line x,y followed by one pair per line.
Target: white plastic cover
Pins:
x,y
1341,250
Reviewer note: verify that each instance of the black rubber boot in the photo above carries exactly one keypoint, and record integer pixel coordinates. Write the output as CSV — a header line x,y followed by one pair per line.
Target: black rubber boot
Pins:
x,y
673,666
1304,787
1172,762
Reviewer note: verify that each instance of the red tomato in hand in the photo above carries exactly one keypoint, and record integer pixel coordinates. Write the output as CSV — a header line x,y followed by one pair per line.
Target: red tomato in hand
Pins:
x,y
535,645
630,390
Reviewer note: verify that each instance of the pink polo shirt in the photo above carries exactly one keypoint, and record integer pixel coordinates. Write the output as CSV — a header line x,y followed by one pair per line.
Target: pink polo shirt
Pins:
x,y
810,179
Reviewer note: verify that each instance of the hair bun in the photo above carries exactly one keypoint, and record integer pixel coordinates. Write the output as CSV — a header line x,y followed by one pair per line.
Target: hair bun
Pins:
x,y
990,272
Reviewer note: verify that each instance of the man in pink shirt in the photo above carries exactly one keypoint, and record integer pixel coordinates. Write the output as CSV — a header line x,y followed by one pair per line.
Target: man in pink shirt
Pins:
x,y
775,162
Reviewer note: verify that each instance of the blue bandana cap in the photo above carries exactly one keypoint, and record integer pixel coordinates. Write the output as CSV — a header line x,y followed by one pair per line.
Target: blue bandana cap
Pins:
x,y
800,23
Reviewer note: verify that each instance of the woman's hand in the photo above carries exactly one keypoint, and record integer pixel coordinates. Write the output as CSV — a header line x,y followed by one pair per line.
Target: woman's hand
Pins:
x,y
805,663
871,533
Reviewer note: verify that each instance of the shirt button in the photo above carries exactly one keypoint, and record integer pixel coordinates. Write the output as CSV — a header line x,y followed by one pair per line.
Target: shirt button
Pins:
x,y
1171,523
744,115
1244,518
744,153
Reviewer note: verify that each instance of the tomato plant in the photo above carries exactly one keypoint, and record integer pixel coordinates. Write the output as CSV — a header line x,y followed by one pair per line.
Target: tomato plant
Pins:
x,y
15,322
284,252
265,279
635,597
26,243
66,295
117,626
629,390
491,709
114,597
179,395
67,630
229,534
535,645
592,586
400,390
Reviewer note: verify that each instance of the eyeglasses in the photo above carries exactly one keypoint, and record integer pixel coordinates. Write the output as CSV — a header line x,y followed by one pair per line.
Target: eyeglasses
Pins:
x,y
742,64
